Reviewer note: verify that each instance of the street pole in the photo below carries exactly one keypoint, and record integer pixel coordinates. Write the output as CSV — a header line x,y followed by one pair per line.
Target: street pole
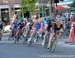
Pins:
x,y
43,12
38,9
50,7
56,10
42,9
0,14
9,12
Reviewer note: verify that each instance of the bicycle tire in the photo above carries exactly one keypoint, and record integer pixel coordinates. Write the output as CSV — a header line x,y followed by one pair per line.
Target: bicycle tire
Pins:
x,y
30,43
36,37
0,36
54,43
25,40
9,37
46,42
14,40
53,46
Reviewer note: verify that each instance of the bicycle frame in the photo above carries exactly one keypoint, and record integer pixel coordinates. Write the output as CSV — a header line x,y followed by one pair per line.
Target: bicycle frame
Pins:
x,y
54,42
0,34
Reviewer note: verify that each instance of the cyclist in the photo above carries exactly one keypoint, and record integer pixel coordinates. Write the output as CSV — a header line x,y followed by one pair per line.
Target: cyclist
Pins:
x,y
37,27
30,25
21,27
15,26
1,25
1,28
45,27
57,26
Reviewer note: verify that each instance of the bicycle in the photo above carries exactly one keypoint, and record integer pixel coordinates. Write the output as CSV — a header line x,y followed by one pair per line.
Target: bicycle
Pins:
x,y
11,35
0,34
47,38
25,36
35,38
54,42
16,36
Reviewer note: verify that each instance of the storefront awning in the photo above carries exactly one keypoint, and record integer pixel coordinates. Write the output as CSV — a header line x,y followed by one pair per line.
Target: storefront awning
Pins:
x,y
60,7
7,6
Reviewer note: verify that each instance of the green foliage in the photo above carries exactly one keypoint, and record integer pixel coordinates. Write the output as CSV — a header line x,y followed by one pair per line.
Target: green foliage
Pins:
x,y
73,4
28,5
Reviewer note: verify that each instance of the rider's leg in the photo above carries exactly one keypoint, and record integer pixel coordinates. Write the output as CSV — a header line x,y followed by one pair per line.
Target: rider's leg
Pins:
x,y
46,33
31,35
50,39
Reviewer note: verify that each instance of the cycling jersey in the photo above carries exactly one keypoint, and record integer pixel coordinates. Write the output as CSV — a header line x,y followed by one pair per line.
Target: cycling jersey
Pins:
x,y
15,24
45,25
49,25
21,25
56,28
37,26
44,22
30,26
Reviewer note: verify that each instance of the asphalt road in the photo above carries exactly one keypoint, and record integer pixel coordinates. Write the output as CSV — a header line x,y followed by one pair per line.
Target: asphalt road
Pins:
x,y
10,50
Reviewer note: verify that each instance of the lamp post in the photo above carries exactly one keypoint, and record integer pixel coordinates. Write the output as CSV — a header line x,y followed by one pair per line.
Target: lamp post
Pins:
x,y
49,7
0,9
38,9
0,14
37,4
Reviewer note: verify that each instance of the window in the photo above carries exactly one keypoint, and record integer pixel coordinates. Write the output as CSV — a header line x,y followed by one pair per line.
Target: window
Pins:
x,y
5,1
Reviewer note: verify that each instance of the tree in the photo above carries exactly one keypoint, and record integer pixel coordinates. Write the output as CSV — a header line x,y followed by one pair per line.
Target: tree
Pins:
x,y
73,4
28,5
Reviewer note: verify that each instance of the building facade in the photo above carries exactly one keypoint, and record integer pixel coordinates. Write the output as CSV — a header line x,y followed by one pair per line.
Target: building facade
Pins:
x,y
6,8
7,5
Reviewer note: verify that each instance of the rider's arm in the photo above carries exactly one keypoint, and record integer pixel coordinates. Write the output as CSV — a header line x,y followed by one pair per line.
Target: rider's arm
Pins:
x,y
33,25
41,27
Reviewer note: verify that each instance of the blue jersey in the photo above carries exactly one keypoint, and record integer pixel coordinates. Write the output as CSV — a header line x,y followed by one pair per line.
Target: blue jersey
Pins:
x,y
44,22
15,25
37,26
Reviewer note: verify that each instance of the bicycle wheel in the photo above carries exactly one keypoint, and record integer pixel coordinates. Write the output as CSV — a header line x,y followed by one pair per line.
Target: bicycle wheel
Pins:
x,y
36,38
15,40
25,39
46,41
10,36
53,45
0,36
30,43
